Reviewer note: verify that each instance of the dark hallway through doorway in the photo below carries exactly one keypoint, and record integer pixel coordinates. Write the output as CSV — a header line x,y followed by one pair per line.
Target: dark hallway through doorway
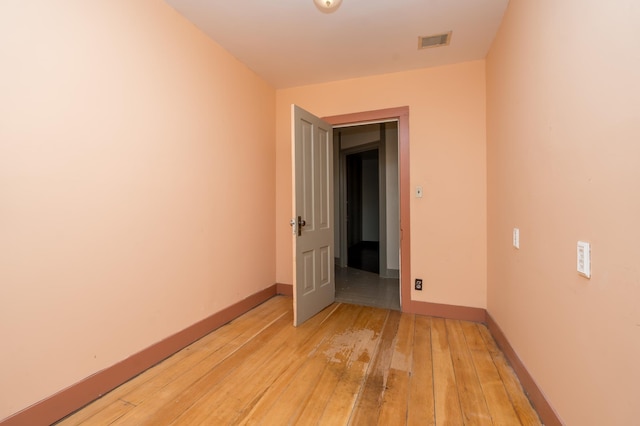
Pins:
x,y
363,206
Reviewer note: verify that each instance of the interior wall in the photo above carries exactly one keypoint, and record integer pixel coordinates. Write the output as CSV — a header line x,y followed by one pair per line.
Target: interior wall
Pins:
x,y
563,130
352,137
128,176
448,225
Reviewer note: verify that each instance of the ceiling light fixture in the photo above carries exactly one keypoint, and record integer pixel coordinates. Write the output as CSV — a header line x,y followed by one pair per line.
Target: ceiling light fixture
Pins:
x,y
327,6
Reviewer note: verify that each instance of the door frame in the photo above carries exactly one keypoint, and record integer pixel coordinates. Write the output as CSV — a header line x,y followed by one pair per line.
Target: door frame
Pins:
x,y
401,114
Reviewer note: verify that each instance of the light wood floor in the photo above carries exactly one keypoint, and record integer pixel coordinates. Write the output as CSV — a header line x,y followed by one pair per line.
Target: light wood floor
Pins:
x,y
347,365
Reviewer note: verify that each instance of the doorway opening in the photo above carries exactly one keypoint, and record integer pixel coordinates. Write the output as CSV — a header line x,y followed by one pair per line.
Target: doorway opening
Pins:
x,y
367,212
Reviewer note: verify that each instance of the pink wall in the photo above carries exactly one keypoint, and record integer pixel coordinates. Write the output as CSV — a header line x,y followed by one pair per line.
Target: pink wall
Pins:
x,y
133,192
563,125
447,148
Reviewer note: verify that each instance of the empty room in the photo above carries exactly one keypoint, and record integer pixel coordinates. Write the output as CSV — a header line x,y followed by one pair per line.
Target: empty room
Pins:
x,y
162,261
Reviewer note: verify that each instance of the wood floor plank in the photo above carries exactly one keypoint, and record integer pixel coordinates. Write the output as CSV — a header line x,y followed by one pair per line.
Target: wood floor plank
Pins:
x,y
110,413
395,395
518,398
367,409
472,335
421,406
472,401
340,406
347,365
447,403
346,349
495,393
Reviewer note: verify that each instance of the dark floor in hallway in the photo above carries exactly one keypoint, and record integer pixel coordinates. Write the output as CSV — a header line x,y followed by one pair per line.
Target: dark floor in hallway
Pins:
x,y
360,287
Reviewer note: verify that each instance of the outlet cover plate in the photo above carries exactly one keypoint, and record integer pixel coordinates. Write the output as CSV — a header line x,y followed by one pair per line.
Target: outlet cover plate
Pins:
x,y
584,259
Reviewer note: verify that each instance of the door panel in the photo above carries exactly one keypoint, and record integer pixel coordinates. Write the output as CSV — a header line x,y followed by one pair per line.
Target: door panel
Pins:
x,y
314,283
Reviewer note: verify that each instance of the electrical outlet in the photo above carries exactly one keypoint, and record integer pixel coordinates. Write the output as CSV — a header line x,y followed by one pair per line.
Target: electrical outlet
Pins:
x,y
418,285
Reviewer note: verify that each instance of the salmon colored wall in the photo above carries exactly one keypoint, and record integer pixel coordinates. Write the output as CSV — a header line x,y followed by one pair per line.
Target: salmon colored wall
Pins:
x,y
563,94
448,158
132,191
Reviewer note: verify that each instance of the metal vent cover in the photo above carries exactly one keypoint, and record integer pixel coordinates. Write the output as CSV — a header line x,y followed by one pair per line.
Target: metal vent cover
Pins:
x,y
436,40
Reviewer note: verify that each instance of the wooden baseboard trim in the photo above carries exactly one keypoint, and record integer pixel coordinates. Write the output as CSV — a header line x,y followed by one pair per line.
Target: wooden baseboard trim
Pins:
x,y
78,395
546,412
284,289
463,313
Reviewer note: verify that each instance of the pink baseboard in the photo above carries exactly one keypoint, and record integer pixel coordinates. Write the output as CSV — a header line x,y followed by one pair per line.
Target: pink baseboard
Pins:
x,y
284,289
76,396
463,313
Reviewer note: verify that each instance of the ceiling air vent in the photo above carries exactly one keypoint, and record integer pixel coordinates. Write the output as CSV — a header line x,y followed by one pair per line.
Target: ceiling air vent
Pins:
x,y
437,40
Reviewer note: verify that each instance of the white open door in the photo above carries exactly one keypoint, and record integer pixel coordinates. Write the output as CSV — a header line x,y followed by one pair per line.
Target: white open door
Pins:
x,y
314,279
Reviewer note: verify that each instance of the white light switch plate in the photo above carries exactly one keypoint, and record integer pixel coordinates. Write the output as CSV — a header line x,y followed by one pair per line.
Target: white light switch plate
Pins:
x,y
418,192
516,238
584,259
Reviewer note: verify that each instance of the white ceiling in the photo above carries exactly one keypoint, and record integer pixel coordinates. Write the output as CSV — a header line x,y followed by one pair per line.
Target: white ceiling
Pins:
x,y
291,43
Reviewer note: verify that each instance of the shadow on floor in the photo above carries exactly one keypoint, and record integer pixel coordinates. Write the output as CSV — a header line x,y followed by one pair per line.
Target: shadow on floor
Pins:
x,y
359,287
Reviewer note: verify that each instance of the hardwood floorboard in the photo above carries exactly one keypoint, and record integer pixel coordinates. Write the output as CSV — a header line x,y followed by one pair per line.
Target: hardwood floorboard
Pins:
x,y
472,401
421,410
345,347
447,403
341,404
492,386
367,409
347,365
395,394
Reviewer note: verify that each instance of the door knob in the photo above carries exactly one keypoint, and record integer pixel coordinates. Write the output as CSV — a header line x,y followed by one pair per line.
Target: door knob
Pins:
x,y
301,223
